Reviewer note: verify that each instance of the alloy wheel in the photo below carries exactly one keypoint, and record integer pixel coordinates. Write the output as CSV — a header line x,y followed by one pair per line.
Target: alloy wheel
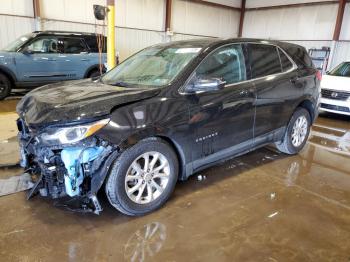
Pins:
x,y
147,177
299,131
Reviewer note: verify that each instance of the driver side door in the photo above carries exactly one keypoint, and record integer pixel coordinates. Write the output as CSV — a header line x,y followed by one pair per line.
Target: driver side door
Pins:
x,y
221,120
38,62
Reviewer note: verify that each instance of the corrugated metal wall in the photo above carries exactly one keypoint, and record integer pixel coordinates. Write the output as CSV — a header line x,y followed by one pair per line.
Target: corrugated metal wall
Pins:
x,y
15,20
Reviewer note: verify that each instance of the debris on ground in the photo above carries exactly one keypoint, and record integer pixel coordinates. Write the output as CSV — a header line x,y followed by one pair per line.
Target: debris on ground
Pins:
x,y
15,184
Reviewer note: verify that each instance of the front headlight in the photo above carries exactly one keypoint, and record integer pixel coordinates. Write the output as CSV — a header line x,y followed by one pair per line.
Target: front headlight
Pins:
x,y
69,135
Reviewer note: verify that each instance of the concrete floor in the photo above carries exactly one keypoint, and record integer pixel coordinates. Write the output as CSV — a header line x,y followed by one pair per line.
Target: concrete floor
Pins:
x,y
263,206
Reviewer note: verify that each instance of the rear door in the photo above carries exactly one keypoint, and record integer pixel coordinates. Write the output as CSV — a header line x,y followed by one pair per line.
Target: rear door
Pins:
x,y
275,80
222,121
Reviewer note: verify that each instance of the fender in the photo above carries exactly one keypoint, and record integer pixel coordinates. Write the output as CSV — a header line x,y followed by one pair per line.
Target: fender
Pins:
x,y
9,72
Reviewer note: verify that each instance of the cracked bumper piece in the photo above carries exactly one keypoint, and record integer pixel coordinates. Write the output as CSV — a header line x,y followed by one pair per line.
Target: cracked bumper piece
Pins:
x,y
75,170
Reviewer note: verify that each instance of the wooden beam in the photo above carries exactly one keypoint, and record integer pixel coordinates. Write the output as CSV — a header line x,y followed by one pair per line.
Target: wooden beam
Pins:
x,y
339,20
168,8
36,8
241,19
292,5
215,4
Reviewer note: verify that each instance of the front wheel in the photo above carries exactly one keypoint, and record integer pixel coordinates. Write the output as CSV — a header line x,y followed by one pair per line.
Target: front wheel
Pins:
x,y
5,86
297,132
142,178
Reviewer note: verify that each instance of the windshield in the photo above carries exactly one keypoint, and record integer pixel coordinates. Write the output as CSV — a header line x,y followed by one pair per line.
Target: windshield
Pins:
x,y
13,47
154,66
341,70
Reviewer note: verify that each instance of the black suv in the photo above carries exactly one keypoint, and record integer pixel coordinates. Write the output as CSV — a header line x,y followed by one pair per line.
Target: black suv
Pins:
x,y
164,114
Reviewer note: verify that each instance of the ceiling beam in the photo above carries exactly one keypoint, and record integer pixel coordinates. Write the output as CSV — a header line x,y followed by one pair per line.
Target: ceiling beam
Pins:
x,y
36,8
168,10
339,20
241,19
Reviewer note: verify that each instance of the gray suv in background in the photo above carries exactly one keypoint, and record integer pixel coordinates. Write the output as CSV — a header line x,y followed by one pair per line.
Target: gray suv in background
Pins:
x,y
44,57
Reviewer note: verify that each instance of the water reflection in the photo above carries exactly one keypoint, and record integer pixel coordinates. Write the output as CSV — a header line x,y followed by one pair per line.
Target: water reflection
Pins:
x,y
145,242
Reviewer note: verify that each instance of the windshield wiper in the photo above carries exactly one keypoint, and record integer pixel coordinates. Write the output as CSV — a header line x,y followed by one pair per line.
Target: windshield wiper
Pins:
x,y
122,84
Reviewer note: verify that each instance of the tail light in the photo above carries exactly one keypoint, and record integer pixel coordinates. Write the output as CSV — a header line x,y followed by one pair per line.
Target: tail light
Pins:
x,y
318,75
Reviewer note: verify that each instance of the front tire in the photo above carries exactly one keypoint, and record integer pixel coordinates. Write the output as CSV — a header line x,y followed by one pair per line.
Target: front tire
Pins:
x,y
297,132
143,177
5,86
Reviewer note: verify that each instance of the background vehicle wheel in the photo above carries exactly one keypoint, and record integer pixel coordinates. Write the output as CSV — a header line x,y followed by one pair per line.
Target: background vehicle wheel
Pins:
x,y
94,73
297,132
5,86
143,177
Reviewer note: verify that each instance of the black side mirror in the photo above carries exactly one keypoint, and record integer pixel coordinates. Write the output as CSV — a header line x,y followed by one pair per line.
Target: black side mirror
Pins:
x,y
206,85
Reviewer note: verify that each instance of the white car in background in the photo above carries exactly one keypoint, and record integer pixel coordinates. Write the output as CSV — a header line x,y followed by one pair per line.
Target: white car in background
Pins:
x,y
335,88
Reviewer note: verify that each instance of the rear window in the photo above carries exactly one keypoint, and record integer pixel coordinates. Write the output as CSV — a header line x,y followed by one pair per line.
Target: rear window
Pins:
x,y
285,62
92,43
300,56
341,70
264,60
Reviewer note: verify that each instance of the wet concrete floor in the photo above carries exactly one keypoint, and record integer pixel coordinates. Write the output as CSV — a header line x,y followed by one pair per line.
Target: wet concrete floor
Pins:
x,y
263,206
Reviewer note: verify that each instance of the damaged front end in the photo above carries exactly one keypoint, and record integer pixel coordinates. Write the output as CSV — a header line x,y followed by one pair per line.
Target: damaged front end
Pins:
x,y
66,160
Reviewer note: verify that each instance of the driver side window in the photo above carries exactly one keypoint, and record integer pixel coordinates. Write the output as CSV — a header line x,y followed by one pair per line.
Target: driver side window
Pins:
x,y
226,63
45,45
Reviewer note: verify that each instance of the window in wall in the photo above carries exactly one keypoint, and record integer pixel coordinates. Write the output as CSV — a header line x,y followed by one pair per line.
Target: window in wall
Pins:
x,y
264,60
226,63
286,63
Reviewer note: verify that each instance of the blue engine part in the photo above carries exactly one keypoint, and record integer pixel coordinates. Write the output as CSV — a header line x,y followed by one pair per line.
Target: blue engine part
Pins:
x,y
73,158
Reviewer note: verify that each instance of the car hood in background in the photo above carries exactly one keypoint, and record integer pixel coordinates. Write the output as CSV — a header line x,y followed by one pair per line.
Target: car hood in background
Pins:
x,y
340,83
76,101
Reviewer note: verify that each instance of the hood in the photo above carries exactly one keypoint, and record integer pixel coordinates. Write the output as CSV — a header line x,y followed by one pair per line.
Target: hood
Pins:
x,y
76,101
340,83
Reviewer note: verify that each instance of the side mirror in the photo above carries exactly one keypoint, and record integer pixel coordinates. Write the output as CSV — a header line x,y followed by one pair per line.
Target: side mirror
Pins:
x,y
206,85
27,51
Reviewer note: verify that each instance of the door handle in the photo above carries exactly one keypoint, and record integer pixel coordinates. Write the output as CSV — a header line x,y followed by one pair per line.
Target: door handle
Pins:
x,y
85,59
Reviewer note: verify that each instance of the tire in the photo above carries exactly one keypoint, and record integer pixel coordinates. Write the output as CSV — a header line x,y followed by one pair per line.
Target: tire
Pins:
x,y
94,73
117,184
5,86
287,145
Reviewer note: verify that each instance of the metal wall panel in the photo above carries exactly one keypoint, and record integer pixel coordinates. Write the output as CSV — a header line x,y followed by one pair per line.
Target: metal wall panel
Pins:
x,y
260,3
233,3
341,53
345,30
17,7
145,14
297,23
198,19
13,27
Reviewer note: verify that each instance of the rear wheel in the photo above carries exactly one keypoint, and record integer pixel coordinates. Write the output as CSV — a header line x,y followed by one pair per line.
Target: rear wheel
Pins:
x,y
297,132
142,178
5,86
94,73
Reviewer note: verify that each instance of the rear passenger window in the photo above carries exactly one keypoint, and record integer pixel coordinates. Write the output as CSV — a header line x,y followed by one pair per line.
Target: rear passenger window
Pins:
x,y
73,45
264,60
227,63
285,62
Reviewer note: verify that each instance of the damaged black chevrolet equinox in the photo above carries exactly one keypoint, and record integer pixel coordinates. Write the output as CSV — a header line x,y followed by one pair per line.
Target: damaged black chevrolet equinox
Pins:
x,y
162,115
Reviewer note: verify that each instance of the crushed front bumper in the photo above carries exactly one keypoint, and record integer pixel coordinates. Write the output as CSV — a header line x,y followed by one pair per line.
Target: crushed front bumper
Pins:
x,y
76,170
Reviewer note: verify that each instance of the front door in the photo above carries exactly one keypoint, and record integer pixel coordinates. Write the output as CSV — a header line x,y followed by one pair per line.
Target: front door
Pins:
x,y
222,120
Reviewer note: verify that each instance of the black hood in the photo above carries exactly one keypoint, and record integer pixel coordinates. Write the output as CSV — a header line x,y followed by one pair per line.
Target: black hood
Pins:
x,y
76,101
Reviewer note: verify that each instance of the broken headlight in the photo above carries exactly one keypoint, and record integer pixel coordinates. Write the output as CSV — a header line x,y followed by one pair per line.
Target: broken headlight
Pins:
x,y
72,134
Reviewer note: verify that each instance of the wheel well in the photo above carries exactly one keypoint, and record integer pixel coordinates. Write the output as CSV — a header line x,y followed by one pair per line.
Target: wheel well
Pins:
x,y
8,76
179,155
90,70
307,104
